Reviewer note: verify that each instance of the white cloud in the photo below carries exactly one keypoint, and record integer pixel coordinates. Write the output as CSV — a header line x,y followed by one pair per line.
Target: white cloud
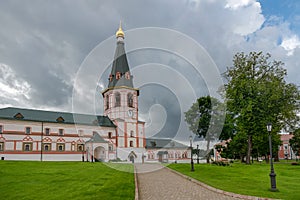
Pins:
x,y
236,4
13,87
290,44
247,17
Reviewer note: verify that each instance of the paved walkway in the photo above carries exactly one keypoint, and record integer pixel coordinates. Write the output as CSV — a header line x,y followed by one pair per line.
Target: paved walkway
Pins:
x,y
159,183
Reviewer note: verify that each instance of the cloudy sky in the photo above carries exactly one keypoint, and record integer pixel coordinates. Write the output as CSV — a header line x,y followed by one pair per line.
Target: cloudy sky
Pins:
x,y
43,45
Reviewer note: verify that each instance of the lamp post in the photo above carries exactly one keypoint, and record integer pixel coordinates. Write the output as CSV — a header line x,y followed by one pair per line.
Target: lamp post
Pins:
x,y
192,162
272,173
92,140
197,153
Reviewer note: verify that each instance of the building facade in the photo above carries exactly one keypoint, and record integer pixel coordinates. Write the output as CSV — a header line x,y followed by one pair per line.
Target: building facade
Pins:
x,y
27,134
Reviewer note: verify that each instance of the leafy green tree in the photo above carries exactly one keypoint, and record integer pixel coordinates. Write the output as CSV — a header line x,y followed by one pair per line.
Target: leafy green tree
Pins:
x,y
295,142
205,119
257,93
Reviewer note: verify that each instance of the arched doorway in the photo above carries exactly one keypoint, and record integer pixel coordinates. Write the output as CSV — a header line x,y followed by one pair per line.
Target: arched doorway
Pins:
x,y
99,154
132,156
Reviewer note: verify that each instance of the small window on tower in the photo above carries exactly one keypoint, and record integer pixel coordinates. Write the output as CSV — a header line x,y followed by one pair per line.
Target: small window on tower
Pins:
x,y
1,129
107,102
130,100
131,144
118,75
118,99
109,135
110,77
127,75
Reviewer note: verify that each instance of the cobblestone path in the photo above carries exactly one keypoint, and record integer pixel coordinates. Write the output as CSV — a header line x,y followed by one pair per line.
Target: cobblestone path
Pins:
x,y
158,183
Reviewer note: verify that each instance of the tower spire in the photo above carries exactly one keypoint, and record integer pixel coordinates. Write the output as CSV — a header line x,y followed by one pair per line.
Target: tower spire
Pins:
x,y
120,32
120,72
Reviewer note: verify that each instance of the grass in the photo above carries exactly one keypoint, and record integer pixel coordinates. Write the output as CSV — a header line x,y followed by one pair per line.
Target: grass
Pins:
x,y
65,180
251,180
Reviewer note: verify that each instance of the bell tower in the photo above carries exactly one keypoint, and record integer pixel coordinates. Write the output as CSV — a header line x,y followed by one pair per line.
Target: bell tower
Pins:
x,y
121,99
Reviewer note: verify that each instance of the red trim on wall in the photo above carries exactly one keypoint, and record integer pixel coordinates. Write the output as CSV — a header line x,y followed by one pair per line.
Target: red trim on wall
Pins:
x,y
15,145
125,133
37,145
137,135
39,133
44,152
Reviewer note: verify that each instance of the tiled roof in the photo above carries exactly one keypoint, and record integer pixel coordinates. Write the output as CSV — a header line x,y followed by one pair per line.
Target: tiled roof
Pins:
x,y
54,117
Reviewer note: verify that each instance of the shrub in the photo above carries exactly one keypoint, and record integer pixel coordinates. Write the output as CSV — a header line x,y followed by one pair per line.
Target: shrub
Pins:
x,y
220,163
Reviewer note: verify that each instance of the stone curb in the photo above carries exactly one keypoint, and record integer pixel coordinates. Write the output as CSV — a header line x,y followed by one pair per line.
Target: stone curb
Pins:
x,y
240,196
136,185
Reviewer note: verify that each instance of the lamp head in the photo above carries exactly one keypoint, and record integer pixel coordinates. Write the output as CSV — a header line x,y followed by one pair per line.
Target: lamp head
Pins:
x,y
269,127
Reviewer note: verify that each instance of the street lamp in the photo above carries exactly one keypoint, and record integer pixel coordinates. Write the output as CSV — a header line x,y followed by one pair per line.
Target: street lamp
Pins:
x,y
197,153
192,162
272,173
92,140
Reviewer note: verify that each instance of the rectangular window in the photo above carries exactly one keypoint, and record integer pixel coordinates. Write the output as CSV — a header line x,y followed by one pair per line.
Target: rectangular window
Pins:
x,y
80,133
47,131
60,131
27,130
1,129
27,146
60,147
1,146
109,135
110,148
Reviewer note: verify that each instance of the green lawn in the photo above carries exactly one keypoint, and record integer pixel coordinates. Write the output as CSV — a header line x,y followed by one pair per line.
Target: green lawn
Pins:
x,y
65,180
251,180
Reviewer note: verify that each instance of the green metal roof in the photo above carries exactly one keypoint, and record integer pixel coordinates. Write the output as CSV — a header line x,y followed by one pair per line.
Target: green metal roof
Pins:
x,y
120,64
54,117
96,139
163,143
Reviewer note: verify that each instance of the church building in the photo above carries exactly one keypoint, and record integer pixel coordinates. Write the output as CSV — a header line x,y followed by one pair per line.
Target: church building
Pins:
x,y
118,135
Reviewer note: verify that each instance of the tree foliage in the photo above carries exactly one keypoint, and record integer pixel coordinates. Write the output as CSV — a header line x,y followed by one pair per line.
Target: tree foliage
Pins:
x,y
295,142
205,119
257,93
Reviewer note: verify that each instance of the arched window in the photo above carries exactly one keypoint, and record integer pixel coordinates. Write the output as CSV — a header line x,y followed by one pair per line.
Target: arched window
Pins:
x,y
47,147
131,144
131,134
130,100
107,102
127,75
117,99
118,75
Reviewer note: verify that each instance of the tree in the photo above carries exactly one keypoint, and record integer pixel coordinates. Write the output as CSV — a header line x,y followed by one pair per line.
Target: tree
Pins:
x,y
205,119
295,142
257,93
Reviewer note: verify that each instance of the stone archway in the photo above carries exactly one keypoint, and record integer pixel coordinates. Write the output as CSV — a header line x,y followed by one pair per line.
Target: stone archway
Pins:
x,y
99,153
